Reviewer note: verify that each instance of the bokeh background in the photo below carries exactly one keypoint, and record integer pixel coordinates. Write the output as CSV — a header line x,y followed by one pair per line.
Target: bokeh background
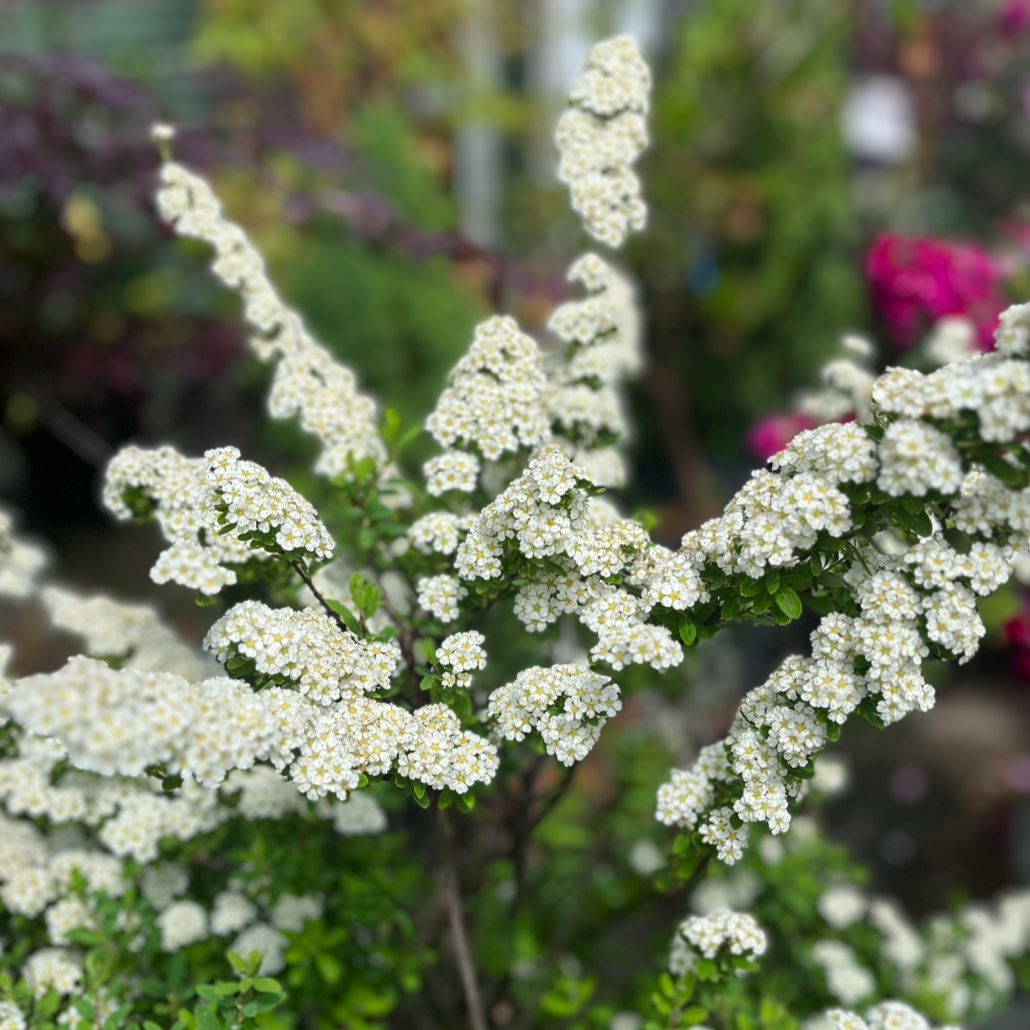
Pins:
x,y
817,167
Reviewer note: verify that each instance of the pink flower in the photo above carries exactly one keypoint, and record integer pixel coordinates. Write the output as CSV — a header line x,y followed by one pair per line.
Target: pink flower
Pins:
x,y
1017,630
1014,17
916,280
772,434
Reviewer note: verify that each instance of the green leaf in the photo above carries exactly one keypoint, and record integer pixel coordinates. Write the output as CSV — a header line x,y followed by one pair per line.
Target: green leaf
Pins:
x,y
833,731
328,967
239,963
208,993
206,600
170,783
225,989
1000,468
206,1019
772,580
423,802
788,602
731,609
373,599
867,707
264,1004
358,589
391,427
688,633
348,618
705,969
918,523
85,1008
465,802
751,587
693,1016
87,938
407,437
387,634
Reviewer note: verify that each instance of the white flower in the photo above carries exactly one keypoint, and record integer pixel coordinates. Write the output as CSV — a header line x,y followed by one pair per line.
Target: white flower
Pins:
x,y
181,924
736,932
439,595
460,654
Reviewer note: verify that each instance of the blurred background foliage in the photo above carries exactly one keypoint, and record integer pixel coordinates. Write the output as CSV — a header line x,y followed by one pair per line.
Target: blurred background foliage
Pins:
x,y
392,159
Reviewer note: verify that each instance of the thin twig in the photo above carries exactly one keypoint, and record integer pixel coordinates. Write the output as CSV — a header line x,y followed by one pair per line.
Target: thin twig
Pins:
x,y
296,566
456,913
406,639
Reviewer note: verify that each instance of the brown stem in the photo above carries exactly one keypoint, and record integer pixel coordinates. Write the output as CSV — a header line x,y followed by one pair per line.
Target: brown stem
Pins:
x,y
296,566
456,914
406,639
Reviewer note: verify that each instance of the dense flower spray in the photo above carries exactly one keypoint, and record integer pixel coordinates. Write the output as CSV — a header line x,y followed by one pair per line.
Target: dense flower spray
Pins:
x,y
359,655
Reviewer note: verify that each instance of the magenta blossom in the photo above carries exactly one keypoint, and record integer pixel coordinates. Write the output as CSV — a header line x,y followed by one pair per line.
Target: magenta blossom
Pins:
x,y
917,280
1014,17
772,434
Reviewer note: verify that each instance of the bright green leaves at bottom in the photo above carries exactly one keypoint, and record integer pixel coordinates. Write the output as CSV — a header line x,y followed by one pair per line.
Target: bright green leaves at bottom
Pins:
x,y
235,1004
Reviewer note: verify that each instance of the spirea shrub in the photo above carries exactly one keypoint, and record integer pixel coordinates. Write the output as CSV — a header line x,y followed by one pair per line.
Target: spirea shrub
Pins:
x,y
173,818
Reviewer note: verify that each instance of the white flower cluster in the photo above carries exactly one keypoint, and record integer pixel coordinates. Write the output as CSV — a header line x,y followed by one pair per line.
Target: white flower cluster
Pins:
x,y
130,815
995,387
458,656
602,347
736,933
34,875
601,136
439,753
308,382
120,722
962,959
846,978
132,633
567,704
777,514
53,969
175,486
11,1017
20,562
847,388
254,501
545,514
440,596
842,906
185,922
776,518
440,532
191,497
966,958
360,815
452,470
494,403
888,1015
181,924
306,647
